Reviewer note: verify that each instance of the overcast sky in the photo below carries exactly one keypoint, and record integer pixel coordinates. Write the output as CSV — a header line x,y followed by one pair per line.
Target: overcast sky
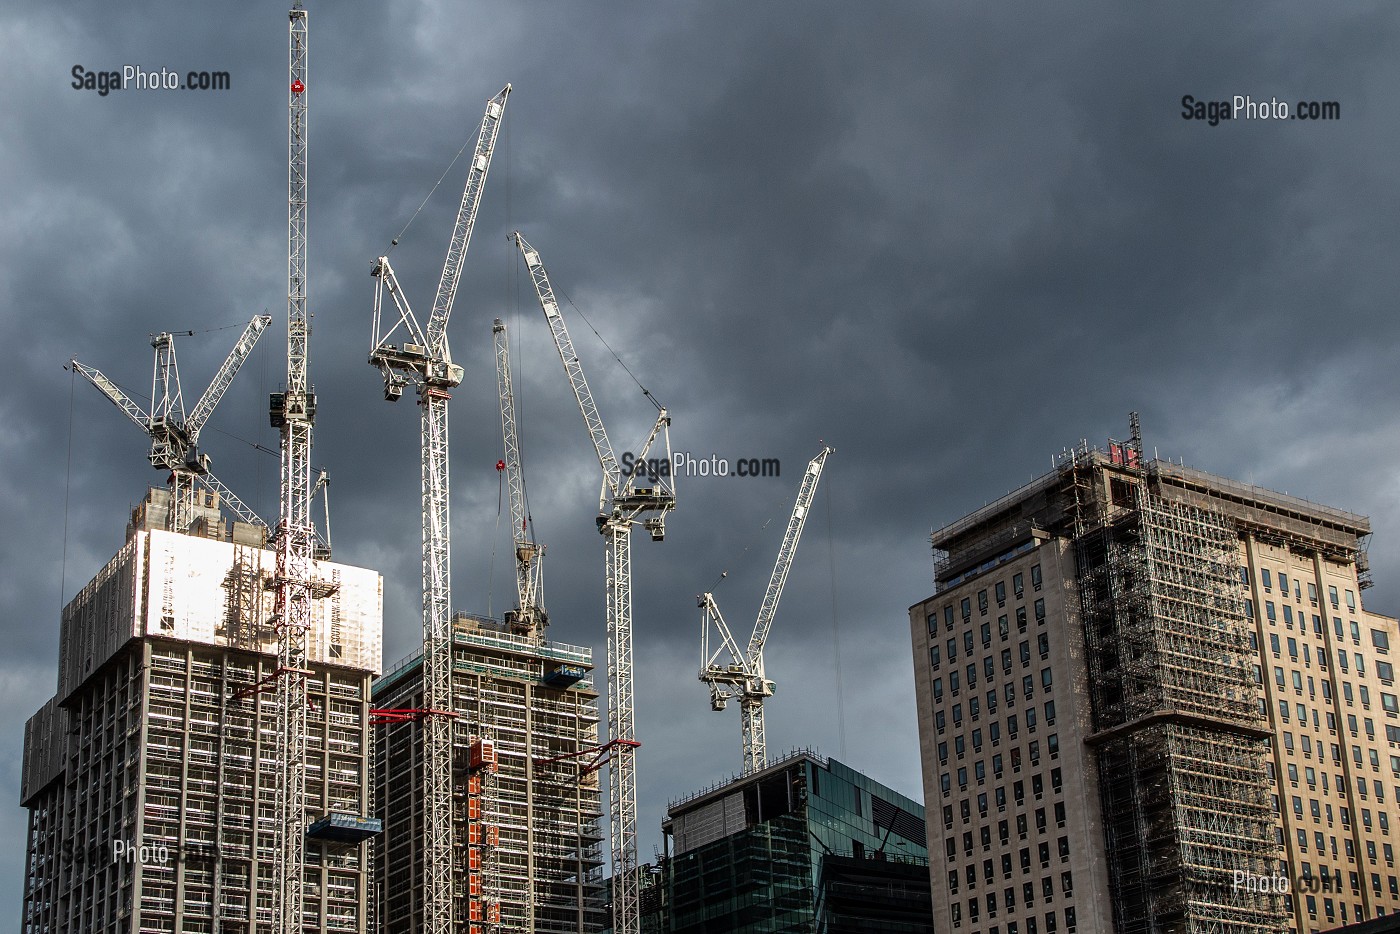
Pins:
x,y
948,240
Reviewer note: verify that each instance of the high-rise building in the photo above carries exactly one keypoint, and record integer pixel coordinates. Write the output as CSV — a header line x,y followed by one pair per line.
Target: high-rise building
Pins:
x,y
796,847
527,800
1150,700
149,776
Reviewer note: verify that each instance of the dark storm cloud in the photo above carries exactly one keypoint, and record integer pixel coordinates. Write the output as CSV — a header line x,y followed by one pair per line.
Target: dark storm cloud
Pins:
x,y
947,241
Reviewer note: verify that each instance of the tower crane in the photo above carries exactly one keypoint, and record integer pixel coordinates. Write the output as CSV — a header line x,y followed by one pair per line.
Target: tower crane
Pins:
x,y
293,412
529,617
621,504
743,676
423,358
174,435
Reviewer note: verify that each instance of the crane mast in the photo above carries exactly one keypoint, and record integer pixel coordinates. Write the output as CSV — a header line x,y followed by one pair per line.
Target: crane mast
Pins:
x,y
529,617
621,504
424,359
744,675
292,412
175,437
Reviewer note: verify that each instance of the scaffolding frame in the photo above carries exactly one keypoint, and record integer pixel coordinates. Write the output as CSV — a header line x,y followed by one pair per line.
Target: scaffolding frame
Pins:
x,y
1181,740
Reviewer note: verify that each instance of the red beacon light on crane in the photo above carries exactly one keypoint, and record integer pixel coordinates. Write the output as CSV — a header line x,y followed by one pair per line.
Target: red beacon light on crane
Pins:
x,y
297,86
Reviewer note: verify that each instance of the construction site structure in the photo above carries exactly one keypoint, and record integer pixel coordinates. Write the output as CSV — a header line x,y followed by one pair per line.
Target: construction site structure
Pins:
x,y
526,803
744,674
150,777
175,434
1141,707
292,412
529,616
805,844
622,503
424,359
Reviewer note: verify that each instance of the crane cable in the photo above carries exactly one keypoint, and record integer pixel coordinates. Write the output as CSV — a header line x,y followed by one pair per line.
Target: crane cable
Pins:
x,y
67,489
835,625
395,242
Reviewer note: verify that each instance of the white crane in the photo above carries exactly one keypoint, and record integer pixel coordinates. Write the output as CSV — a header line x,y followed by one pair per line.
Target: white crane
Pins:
x,y
424,359
621,503
292,412
175,436
529,617
743,676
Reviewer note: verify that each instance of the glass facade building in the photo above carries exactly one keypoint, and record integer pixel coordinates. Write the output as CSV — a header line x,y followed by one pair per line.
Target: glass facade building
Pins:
x,y
790,850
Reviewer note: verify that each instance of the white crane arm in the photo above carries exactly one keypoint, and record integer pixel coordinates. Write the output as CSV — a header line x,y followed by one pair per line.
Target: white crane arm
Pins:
x,y
389,282
711,616
466,220
525,553
224,377
120,399
228,499
611,472
786,552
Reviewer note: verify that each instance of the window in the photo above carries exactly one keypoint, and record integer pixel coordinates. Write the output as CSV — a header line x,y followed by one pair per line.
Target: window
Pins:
x,y
1385,671
1028,686
955,682
1379,639
1003,627
1283,583
940,720
1042,643
1267,581
989,667
938,689
1050,713
1025,649
1332,596
1020,619
935,656
1005,659
1274,644
966,608
948,616
1269,611
1351,601
967,642
1052,745
1035,577
1389,703
1001,593
1047,679
1018,585
1040,611
986,634
982,601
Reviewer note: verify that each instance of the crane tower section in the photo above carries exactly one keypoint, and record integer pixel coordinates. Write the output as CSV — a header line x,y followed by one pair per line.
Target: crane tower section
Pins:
x,y
424,359
743,676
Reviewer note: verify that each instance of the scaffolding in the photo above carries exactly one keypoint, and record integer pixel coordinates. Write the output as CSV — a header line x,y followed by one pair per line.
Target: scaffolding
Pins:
x,y
149,775
529,854
1181,741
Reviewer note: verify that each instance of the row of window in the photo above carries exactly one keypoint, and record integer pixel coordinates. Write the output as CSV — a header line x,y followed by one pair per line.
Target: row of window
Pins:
x,y
1384,670
1013,728
979,768
1003,626
973,909
1018,792
1008,694
1266,580
1389,702
1047,884
1003,826
935,655
956,680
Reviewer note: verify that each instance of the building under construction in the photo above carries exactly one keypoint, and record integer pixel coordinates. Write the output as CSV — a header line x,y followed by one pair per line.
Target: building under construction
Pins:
x,y
1110,736
149,777
526,795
